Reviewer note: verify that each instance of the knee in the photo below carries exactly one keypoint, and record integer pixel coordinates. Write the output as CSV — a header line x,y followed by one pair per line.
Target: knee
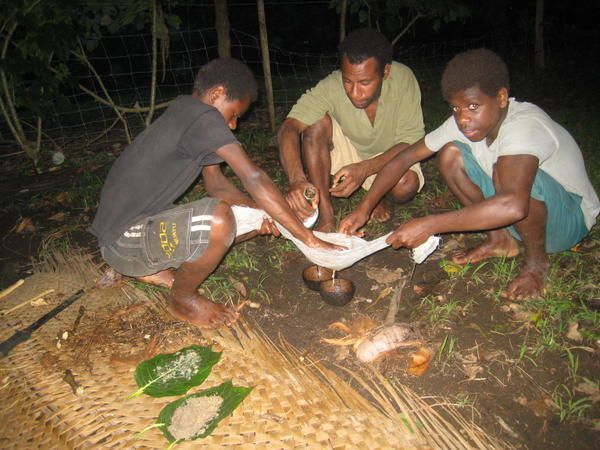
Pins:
x,y
406,188
223,225
318,135
450,159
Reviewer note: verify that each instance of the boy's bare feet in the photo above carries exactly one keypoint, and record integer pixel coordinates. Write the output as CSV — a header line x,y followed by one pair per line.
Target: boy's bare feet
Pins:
x,y
529,284
381,213
201,312
497,244
164,278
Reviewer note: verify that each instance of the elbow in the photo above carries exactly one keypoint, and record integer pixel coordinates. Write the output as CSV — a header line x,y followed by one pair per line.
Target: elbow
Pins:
x,y
516,209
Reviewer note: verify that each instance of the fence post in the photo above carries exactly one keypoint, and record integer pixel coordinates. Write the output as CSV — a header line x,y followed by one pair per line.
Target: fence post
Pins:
x,y
222,26
264,46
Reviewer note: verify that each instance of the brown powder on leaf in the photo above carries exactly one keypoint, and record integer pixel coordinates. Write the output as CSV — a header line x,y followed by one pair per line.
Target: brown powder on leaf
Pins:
x,y
192,418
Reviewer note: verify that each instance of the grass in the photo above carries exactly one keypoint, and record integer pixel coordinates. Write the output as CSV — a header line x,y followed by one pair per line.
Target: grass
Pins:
x,y
439,311
447,350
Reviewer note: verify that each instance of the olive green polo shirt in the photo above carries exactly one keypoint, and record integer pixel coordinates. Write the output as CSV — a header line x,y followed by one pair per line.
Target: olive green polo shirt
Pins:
x,y
399,117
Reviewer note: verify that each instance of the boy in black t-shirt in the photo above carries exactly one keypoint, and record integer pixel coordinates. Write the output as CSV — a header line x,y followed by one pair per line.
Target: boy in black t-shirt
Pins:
x,y
143,234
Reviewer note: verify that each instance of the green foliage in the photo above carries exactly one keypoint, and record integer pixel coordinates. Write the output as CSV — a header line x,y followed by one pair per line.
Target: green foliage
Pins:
x,y
175,373
232,396
38,41
106,17
396,17
43,33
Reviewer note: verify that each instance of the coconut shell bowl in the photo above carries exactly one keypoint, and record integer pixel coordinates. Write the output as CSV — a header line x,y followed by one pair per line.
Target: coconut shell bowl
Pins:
x,y
337,291
314,275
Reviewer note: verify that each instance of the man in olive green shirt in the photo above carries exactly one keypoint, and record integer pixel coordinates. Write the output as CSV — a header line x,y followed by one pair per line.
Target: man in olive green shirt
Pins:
x,y
350,125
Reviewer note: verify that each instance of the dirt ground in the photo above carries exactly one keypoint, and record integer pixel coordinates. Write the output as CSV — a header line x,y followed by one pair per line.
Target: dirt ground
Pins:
x,y
477,363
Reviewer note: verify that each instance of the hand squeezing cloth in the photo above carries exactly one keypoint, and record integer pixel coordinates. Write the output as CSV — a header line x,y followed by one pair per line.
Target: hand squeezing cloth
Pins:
x,y
250,219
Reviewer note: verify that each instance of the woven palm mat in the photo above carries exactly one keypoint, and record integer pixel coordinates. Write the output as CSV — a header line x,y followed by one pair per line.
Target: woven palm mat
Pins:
x,y
296,403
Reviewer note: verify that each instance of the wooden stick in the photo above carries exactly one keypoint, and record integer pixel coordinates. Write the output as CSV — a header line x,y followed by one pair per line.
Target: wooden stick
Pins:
x,y
31,300
11,288
390,318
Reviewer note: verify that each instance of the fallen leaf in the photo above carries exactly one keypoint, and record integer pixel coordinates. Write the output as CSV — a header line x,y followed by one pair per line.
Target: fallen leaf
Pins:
x,y
38,302
450,267
384,275
451,244
418,289
471,358
520,313
58,217
472,370
541,407
573,332
590,389
419,361
62,197
239,287
523,401
25,226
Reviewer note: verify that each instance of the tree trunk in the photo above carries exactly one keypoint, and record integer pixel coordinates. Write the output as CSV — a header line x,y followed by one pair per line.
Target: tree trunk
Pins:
x,y
222,26
264,46
343,8
540,62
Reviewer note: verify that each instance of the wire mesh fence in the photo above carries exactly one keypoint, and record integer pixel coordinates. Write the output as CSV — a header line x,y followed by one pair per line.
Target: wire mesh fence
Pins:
x,y
118,77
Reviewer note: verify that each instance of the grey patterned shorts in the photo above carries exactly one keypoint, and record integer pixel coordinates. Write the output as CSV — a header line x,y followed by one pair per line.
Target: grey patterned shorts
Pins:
x,y
163,241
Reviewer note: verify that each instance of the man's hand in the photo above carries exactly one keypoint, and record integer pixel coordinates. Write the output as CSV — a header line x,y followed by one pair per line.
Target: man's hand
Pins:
x,y
353,222
268,227
297,199
348,179
411,234
314,242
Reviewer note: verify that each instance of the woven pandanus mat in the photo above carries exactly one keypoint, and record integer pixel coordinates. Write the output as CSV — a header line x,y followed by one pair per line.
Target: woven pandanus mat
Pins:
x,y
295,403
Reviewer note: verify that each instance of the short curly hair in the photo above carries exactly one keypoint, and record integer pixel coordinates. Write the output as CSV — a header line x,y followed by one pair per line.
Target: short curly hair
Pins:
x,y
365,43
232,74
479,67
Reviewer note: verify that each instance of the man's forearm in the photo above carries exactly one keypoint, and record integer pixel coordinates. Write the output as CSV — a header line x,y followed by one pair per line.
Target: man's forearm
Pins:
x,y
269,198
222,188
376,164
289,155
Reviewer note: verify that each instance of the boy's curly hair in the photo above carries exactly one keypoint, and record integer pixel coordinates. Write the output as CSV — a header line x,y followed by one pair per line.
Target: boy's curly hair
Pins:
x,y
232,74
479,67
365,43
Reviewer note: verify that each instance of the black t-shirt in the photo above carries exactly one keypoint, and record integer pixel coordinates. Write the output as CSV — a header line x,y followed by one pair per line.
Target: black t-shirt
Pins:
x,y
160,164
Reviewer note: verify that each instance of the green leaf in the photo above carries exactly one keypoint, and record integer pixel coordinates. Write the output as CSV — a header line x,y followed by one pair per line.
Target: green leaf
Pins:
x,y
232,396
175,373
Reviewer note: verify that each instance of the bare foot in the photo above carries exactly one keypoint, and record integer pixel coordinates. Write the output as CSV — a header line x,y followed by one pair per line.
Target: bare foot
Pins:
x,y
529,284
381,213
164,278
325,224
201,312
497,244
